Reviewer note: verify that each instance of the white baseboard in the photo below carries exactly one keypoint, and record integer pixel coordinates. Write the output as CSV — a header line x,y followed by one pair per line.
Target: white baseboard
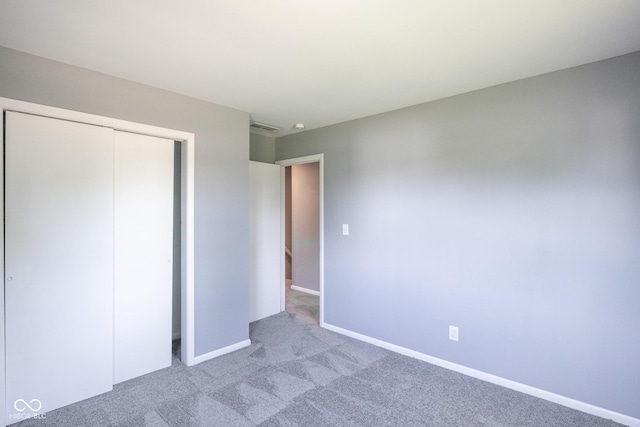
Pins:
x,y
221,351
305,290
523,388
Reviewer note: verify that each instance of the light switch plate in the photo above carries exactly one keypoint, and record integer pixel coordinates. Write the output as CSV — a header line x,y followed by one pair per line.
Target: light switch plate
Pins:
x,y
345,229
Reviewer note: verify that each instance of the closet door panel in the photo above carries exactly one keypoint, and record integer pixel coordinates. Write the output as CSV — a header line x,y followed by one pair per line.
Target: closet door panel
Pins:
x,y
143,254
59,262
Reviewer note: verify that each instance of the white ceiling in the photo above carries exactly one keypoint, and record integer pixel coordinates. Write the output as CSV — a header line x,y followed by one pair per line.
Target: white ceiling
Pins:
x,y
321,62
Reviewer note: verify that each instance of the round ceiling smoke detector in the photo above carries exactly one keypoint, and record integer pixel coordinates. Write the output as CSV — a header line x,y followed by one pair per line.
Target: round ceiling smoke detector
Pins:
x,y
299,126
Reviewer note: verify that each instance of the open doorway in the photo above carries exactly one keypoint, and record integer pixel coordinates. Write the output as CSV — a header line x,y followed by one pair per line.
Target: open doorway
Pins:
x,y
303,243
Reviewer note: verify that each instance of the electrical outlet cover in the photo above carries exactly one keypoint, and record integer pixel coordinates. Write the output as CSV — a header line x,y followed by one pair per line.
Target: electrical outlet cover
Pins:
x,y
453,333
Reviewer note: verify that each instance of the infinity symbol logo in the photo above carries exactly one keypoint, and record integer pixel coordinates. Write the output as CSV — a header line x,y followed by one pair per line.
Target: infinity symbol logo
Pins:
x,y
37,405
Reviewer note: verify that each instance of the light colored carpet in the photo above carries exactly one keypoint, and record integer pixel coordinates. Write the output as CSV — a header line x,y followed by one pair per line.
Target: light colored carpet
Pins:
x,y
298,374
302,304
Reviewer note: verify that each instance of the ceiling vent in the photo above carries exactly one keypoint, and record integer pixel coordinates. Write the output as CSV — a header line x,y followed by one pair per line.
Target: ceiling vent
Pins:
x,y
264,126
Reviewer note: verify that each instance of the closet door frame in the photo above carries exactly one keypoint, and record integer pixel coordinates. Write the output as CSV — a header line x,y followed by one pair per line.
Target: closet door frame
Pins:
x,y
187,141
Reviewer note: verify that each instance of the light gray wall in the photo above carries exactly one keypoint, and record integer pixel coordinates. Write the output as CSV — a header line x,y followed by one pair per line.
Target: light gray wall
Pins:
x,y
305,226
511,212
262,148
221,174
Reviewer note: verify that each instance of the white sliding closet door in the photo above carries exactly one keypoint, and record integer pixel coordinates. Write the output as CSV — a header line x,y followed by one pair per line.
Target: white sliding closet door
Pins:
x,y
59,263
143,254
266,261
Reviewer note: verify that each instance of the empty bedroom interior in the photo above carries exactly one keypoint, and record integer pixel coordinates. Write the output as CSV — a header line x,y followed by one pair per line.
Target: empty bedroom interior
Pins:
x,y
493,227
509,212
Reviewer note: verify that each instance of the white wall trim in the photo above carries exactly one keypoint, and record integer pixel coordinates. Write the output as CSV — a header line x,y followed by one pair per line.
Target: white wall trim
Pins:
x,y
222,351
299,161
188,195
503,382
305,290
3,396
187,296
283,242
312,158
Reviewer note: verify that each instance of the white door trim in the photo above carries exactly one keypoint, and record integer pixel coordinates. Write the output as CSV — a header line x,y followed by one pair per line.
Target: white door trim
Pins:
x,y
319,158
188,190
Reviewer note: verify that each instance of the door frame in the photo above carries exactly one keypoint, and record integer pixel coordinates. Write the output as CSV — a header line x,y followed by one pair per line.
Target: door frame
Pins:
x,y
313,158
187,141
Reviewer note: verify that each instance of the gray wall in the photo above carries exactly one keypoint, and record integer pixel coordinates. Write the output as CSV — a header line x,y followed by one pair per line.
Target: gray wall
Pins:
x,y
511,212
262,148
305,226
176,315
221,174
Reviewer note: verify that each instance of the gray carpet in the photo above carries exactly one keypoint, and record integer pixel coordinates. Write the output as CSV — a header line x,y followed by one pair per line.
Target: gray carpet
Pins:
x,y
302,304
298,374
